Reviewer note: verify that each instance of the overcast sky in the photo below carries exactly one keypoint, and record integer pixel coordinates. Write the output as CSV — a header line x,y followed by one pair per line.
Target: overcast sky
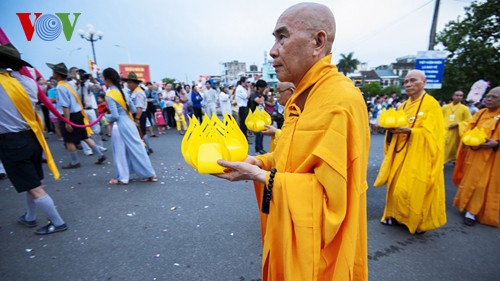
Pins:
x,y
187,38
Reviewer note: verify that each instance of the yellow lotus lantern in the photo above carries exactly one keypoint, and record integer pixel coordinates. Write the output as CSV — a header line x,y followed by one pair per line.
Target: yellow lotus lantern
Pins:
x,y
474,137
205,143
392,118
256,120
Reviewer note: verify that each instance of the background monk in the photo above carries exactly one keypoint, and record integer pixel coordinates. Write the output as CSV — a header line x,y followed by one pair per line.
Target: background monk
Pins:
x,y
413,162
477,169
316,222
456,118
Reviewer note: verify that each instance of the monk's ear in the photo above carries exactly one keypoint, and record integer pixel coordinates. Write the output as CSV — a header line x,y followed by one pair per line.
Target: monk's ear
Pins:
x,y
320,42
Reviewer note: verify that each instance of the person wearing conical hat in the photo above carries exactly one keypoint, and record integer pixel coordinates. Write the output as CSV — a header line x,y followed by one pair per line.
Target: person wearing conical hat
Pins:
x,y
73,110
22,142
139,99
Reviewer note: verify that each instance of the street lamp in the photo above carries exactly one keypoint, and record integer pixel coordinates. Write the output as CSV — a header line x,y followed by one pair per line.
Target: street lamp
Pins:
x,y
92,36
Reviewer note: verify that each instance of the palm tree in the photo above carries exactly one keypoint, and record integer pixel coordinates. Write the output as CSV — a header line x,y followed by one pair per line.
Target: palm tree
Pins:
x,y
347,63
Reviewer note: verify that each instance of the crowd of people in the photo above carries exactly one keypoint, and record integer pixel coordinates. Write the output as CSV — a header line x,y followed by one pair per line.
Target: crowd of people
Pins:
x,y
311,187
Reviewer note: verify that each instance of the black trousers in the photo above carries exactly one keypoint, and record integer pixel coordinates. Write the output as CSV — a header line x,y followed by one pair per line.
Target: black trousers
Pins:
x,y
242,114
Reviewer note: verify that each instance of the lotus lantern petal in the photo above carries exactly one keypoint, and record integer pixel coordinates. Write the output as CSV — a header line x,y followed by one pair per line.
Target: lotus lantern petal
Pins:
x,y
256,120
474,137
205,143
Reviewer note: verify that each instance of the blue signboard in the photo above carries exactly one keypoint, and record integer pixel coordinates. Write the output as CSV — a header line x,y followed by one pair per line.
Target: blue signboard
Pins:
x,y
432,63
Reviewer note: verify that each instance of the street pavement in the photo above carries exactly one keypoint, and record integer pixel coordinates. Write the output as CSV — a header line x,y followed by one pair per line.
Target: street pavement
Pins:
x,y
197,227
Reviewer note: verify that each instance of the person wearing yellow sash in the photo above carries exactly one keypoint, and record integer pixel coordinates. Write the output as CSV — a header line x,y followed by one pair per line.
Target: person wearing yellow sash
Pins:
x,y
477,170
456,118
413,163
128,150
315,180
22,142
138,97
73,110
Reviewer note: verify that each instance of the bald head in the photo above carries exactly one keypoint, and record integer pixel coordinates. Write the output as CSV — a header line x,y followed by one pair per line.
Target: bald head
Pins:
x,y
313,17
414,83
303,34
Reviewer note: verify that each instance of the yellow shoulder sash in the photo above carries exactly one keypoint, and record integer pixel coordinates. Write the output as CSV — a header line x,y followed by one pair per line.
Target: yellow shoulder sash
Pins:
x,y
117,96
22,102
85,118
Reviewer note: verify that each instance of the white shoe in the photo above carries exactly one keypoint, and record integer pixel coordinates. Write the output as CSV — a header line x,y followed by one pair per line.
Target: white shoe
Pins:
x,y
88,153
103,149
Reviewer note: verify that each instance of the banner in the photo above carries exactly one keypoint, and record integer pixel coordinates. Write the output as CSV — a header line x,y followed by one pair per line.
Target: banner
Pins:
x,y
432,63
142,71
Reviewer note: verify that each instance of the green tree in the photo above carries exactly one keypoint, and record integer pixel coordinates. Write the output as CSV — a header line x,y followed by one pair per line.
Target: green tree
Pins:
x,y
371,89
392,88
473,43
167,80
347,63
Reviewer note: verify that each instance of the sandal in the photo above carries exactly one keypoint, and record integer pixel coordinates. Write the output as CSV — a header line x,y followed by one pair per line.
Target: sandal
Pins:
x,y
390,221
116,182
150,179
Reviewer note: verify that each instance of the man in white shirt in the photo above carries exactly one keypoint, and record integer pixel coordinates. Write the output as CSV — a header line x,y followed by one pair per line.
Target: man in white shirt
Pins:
x,y
242,95
210,100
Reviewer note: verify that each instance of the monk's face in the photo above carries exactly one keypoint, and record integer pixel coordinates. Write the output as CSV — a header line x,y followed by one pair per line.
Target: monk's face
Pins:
x,y
414,83
492,99
293,47
458,96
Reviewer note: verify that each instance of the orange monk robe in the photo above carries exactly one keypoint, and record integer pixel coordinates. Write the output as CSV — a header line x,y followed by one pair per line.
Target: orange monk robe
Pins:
x,y
316,228
477,172
414,176
454,114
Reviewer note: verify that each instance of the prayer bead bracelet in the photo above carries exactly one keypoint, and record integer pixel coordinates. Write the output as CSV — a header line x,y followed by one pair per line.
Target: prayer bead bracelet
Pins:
x,y
268,192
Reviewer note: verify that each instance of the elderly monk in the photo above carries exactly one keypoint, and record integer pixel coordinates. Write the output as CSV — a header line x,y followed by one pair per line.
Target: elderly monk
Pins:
x,y
315,180
477,168
413,162
456,118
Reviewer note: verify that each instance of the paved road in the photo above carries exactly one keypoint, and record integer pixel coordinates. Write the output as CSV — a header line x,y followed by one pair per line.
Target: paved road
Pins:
x,y
197,227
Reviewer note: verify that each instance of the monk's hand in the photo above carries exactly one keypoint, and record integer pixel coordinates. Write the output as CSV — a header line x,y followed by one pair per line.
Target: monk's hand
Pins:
x,y
252,160
68,128
402,130
237,171
269,131
489,144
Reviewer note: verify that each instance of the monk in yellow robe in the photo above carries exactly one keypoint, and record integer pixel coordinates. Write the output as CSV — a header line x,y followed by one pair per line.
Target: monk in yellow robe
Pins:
x,y
477,171
456,118
315,228
413,163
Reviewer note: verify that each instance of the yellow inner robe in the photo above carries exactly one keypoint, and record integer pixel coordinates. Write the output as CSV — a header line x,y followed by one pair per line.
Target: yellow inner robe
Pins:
x,y
316,228
414,176
477,172
454,114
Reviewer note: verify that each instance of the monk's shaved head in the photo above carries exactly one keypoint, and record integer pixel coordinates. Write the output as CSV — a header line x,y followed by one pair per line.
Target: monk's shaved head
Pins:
x,y
313,17
417,73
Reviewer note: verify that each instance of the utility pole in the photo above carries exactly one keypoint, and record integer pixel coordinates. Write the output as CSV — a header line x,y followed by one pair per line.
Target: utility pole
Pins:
x,y
432,38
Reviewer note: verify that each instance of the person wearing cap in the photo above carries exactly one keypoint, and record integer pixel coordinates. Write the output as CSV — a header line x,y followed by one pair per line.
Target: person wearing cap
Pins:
x,y
22,142
138,97
86,86
314,183
73,110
